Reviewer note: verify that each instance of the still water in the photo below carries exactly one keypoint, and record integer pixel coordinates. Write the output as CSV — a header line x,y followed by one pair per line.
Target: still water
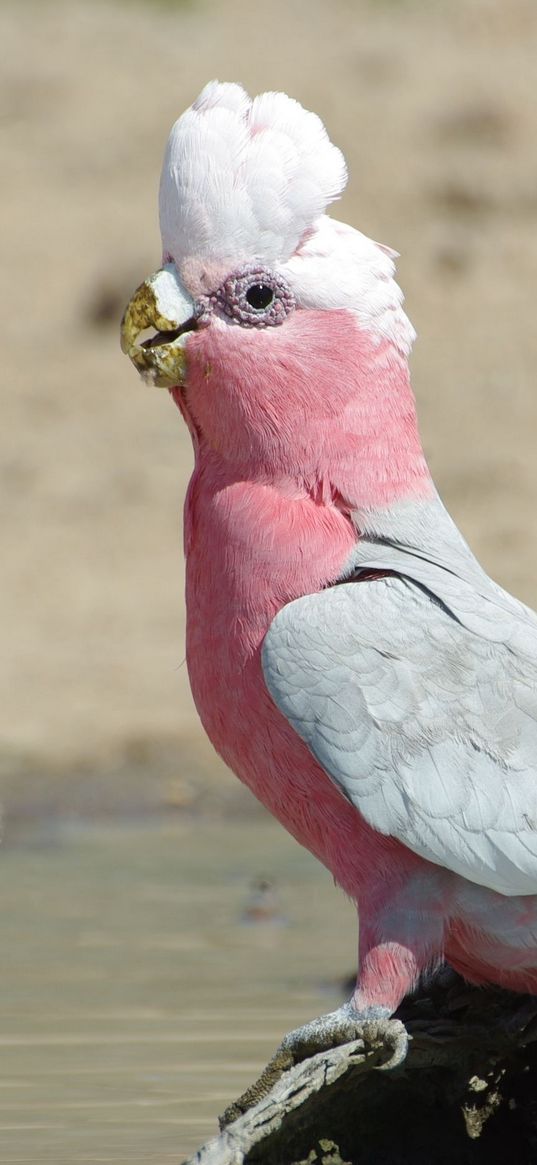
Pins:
x,y
138,993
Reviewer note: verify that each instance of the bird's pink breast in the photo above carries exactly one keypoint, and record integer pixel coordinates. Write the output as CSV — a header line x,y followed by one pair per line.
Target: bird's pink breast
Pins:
x,y
250,550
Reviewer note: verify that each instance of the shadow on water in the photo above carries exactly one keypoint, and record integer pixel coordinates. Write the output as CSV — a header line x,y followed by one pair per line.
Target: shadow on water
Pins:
x,y
149,968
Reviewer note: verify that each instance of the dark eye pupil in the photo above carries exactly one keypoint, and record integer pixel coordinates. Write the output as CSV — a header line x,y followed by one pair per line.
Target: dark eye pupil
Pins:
x,y
259,296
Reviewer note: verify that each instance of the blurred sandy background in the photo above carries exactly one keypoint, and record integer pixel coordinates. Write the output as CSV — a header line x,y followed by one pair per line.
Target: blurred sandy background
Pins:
x,y
435,107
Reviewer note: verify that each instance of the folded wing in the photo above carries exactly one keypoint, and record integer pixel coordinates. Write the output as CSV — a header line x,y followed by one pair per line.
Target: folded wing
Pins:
x,y
418,696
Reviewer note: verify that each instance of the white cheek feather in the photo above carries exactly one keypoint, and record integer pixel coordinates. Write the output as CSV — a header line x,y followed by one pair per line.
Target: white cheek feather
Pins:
x,y
339,267
247,180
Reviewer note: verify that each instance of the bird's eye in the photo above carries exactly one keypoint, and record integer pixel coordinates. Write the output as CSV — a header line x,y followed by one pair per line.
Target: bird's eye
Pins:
x,y
254,297
260,296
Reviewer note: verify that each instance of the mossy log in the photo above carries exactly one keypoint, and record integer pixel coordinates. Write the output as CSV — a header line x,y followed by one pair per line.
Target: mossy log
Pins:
x,y
466,1093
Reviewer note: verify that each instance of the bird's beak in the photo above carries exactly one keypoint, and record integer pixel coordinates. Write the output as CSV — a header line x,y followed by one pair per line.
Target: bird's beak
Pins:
x,y
161,304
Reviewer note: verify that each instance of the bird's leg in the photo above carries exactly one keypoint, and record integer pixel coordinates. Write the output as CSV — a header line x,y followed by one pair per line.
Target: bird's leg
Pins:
x,y
396,942
366,1017
388,971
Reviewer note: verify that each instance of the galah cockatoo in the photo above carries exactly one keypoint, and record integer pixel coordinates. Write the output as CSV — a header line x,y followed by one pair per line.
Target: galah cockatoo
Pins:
x,y
349,658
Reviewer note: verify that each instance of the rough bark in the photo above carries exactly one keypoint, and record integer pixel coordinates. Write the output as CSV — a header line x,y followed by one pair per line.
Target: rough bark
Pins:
x,y
467,1092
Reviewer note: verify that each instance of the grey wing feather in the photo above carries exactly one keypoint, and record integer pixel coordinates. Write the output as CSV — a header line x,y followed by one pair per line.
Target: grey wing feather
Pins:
x,y
417,693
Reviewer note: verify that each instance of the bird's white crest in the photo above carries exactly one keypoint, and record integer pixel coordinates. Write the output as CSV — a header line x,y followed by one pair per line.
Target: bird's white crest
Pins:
x,y
243,179
250,179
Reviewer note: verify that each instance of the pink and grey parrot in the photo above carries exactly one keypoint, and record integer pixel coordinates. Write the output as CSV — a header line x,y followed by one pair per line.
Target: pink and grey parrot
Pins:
x,y
349,658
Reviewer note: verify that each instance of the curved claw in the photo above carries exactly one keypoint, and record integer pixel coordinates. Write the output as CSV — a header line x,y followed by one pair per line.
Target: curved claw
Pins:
x,y
389,1035
161,303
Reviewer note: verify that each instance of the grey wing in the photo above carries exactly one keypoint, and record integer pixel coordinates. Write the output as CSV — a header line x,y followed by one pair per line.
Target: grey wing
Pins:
x,y
419,699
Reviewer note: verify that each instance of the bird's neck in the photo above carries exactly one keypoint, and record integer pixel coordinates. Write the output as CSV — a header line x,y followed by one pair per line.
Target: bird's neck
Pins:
x,y
378,461
320,402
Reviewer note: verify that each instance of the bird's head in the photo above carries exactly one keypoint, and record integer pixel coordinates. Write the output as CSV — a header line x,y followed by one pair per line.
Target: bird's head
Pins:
x,y
279,330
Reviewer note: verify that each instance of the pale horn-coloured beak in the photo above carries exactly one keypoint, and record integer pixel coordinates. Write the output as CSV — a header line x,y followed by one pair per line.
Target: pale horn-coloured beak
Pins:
x,y
160,303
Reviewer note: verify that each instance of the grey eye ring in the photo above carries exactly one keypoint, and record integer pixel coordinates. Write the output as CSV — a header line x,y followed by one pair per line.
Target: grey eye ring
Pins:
x,y
254,297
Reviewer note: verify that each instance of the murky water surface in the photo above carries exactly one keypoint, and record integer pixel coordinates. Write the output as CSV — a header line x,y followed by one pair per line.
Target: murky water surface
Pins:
x,y
136,1000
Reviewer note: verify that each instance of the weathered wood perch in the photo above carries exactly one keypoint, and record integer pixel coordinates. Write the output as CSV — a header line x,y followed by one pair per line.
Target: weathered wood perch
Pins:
x,y
466,1094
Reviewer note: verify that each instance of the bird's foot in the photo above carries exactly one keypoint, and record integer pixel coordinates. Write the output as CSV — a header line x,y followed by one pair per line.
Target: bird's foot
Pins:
x,y
386,1038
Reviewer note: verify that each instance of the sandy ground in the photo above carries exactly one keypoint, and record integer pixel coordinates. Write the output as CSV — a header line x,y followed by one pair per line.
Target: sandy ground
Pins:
x,y
434,105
